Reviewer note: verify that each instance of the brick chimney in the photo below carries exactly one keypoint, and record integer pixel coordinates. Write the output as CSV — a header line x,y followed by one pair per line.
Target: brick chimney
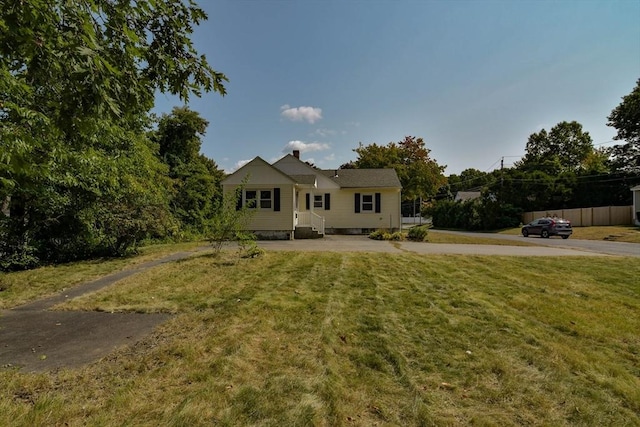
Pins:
x,y
296,154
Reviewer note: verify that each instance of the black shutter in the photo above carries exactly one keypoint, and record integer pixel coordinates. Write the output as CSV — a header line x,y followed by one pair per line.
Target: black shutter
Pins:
x,y
357,203
327,201
238,200
377,202
307,201
276,199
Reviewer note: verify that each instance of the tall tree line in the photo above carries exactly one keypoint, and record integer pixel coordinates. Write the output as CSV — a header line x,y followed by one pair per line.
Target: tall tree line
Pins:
x,y
83,172
561,168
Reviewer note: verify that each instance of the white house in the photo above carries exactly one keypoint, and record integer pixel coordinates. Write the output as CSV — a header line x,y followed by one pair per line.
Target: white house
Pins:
x,y
295,200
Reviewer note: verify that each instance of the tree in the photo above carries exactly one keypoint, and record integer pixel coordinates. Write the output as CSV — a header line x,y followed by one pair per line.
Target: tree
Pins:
x,y
179,136
77,81
420,175
469,179
625,118
195,178
564,148
229,223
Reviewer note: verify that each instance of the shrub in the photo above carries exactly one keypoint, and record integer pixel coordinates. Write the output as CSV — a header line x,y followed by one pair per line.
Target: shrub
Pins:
x,y
397,236
377,235
419,233
250,249
478,214
386,235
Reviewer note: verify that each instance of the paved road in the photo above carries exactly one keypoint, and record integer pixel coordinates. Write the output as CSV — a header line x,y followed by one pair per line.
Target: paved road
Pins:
x,y
364,244
593,246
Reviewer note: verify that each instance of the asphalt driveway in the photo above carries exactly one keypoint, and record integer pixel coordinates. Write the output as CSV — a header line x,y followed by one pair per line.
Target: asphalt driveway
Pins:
x,y
36,339
334,243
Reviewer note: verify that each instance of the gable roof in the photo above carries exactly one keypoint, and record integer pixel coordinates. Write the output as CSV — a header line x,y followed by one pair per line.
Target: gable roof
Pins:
x,y
304,179
363,178
300,172
239,175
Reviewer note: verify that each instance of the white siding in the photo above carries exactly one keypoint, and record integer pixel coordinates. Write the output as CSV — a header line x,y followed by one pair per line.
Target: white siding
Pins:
x,y
260,175
342,215
268,219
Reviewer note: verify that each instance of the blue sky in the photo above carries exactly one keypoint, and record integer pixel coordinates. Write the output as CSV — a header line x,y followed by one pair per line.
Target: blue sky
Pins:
x,y
473,78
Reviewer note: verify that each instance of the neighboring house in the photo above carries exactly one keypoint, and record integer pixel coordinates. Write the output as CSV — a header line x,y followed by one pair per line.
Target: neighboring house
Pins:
x,y
463,196
636,204
295,200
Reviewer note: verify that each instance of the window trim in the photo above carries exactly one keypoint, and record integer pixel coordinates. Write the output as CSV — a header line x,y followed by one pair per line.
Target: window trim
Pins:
x,y
369,204
259,199
372,206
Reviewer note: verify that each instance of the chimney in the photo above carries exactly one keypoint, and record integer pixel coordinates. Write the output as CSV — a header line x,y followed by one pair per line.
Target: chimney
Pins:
x,y
296,154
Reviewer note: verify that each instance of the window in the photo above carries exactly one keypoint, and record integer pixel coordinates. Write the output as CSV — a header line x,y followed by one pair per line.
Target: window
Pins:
x,y
261,199
317,201
367,202
250,198
265,199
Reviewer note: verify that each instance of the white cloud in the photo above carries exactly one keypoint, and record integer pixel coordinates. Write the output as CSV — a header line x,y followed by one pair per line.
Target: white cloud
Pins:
x,y
324,132
237,166
298,114
330,158
305,147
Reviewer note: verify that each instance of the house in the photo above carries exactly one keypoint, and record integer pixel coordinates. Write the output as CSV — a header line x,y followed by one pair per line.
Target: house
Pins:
x,y
295,200
636,204
463,196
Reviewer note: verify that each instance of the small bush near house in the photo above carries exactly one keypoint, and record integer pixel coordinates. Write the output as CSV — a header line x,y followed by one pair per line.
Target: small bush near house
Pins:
x,y
419,233
377,235
397,236
386,235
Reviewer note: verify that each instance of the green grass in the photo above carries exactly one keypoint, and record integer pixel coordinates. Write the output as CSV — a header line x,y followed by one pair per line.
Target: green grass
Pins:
x,y
358,339
19,287
479,239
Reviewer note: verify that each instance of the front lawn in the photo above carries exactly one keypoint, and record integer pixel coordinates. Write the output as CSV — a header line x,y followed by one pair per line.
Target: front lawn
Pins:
x,y
20,287
359,339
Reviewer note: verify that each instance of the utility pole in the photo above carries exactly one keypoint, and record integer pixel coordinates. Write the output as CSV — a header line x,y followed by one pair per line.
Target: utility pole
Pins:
x,y
501,175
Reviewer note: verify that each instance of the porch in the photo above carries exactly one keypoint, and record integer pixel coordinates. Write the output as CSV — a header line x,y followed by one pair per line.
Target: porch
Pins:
x,y
308,225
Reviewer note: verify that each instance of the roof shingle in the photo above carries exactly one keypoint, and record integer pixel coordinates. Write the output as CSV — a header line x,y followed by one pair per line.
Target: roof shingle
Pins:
x,y
363,178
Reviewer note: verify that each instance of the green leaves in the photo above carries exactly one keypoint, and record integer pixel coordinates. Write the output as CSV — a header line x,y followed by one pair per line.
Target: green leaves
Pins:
x,y
625,118
420,175
563,148
77,81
